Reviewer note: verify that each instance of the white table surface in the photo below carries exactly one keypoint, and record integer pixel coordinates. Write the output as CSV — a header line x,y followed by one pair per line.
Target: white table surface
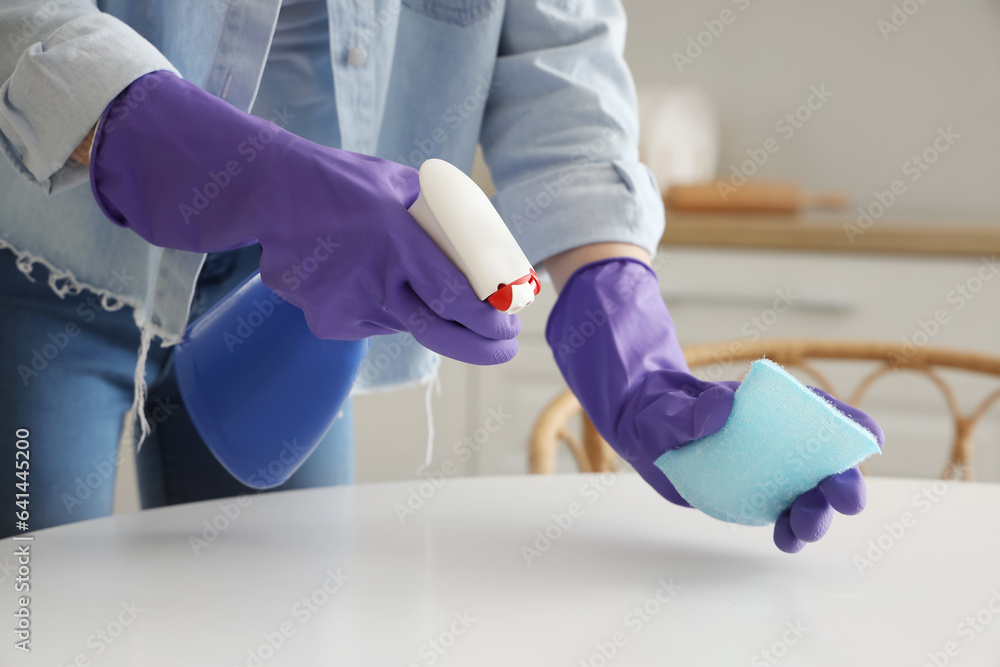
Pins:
x,y
734,594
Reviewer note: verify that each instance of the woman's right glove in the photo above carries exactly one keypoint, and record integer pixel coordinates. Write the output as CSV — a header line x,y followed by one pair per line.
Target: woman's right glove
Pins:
x,y
615,343
186,170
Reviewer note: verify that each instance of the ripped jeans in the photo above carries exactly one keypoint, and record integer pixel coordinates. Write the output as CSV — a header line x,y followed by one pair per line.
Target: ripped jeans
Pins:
x,y
66,369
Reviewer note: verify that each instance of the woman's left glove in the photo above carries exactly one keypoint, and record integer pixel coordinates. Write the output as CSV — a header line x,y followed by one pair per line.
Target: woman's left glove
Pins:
x,y
186,170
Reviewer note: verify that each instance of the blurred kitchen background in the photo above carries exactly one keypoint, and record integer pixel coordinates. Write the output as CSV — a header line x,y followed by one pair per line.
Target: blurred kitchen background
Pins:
x,y
871,86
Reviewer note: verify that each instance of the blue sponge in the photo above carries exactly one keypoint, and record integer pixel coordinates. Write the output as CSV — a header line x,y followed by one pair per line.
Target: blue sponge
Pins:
x,y
780,441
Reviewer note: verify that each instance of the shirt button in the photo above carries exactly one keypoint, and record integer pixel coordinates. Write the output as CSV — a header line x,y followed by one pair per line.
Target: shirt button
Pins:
x,y
357,56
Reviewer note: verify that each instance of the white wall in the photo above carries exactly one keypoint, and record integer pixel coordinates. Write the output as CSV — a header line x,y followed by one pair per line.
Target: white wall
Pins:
x,y
941,68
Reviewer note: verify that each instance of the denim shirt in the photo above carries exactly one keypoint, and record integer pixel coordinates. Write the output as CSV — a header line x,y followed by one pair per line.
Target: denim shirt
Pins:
x,y
541,84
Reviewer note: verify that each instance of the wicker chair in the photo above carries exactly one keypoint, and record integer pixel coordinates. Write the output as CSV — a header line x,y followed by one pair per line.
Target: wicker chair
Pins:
x,y
594,454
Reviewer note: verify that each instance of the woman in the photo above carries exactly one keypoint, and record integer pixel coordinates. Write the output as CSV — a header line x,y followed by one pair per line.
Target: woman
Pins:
x,y
93,93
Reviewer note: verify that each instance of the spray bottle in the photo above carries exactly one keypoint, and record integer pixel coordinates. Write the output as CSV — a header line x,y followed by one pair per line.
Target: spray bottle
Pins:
x,y
262,404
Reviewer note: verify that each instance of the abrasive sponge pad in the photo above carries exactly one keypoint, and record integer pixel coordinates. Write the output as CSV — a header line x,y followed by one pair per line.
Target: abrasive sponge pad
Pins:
x,y
780,441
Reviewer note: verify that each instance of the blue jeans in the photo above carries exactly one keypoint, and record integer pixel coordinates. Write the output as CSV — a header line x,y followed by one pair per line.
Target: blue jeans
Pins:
x,y
66,368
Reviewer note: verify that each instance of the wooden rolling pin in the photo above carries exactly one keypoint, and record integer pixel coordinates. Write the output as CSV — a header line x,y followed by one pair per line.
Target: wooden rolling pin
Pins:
x,y
751,197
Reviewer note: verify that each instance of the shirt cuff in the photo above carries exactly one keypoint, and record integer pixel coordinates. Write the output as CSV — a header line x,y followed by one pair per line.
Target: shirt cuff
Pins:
x,y
59,89
578,205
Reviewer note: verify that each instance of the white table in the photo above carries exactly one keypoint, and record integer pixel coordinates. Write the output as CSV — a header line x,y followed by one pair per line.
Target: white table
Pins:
x,y
455,574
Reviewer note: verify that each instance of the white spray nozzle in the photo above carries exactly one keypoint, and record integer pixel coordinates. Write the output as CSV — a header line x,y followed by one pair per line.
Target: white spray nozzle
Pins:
x,y
458,215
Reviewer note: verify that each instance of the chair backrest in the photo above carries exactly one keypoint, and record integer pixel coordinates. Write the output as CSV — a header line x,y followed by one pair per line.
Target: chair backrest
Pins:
x,y
594,455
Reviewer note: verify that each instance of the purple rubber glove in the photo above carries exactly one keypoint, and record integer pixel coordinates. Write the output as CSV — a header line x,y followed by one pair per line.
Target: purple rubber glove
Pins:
x,y
614,341
810,515
186,170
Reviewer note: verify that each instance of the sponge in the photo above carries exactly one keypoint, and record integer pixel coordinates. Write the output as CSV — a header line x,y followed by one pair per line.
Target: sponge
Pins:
x,y
780,441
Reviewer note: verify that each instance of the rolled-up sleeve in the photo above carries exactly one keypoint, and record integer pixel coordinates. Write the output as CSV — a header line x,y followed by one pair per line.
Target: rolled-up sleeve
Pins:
x,y
61,63
560,134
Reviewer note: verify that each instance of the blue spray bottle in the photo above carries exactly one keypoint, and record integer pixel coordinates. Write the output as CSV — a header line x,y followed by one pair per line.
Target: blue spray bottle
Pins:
x,y
264,403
